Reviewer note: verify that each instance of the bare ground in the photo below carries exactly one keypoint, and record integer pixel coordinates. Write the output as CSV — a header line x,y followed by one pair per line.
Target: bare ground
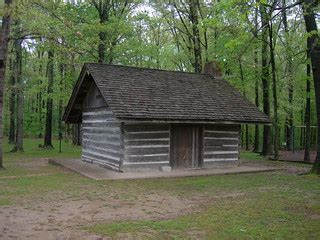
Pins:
x,y
63,220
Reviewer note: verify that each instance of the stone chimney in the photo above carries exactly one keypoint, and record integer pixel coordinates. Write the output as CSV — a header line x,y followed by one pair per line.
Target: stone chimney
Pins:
x,y
213,68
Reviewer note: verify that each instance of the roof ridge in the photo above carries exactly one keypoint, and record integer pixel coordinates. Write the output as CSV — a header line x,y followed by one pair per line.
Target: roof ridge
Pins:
x,y
145,68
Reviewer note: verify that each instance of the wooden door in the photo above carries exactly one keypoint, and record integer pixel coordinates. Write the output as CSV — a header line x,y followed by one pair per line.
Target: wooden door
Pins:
x,y
186,146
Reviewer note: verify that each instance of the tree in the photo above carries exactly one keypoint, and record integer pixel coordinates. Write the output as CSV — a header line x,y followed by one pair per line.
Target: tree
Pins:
x,y
256,84
12,105
48,129
308,113
106,10
4,36
288,54
194,19
313,43
17,72
274,88
266,145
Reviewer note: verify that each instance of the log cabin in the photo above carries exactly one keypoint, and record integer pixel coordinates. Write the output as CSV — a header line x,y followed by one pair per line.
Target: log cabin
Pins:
x,y
140,119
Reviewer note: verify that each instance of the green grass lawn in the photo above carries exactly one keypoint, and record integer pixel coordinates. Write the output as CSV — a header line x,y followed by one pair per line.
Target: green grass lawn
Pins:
x,y
254,206
275,205
32,150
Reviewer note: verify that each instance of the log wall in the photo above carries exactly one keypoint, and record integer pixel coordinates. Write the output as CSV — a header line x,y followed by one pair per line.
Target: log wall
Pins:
x,y
101,138
221,144
145,145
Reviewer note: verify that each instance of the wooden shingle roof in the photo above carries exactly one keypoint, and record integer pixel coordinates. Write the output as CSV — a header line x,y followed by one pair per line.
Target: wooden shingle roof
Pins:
x,y
149,94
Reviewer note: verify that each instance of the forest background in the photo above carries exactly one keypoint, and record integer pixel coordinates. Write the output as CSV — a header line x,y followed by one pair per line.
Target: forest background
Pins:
x,y
261,47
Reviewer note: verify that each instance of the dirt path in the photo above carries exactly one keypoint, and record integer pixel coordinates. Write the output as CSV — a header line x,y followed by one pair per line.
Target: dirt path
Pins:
x,y
64,219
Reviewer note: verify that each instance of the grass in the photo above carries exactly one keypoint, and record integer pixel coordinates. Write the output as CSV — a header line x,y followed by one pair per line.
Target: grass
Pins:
x,y
248,155
246,206
267,206
32,151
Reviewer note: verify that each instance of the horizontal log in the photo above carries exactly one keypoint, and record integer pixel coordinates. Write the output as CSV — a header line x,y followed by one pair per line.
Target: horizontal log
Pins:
x,y
217,156
220,142
86,159
220,152
107,131
216,134
127,167
143,142
148,146
105,143
144,151
146,132
221,148
102,157
139,136
146,158
101,137
221,138
104,127
102,151
97,112
102,124
110,165
99,121
98,117
145,127
144,163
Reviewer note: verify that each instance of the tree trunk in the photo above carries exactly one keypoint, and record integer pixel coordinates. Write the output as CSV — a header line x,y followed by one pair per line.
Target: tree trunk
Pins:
x,y
308,115
194,16
289,117
4,35
266,145
103,8
275,95
256,147
40,104
314,49
60,107
76,140
48,130
18,147
12,108
244,93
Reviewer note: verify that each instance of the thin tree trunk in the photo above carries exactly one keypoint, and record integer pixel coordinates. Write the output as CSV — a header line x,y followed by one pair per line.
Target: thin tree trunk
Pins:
x,y
76,134
256,147
60,107
301,129
266,145
39,98
275,97
48,130
18,147
308,116
244,93
12,108
314,49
